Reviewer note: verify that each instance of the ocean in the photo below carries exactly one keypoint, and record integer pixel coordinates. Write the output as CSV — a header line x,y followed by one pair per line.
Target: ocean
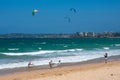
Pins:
x,y
16,53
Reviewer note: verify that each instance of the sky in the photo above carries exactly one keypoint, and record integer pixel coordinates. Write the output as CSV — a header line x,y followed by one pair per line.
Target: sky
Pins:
x,y
91,16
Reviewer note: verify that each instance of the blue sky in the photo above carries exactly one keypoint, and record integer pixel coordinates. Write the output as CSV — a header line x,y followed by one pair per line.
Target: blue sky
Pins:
x,y
92,15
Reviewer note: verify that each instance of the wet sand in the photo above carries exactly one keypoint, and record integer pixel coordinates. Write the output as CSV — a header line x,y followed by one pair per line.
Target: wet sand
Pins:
x,y
91,70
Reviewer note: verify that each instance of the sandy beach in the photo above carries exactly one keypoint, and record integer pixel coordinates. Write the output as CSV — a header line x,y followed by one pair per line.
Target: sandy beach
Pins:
x,y
89,71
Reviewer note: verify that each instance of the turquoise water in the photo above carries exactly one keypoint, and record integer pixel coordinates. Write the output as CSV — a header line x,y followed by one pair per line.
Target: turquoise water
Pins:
x,y
17,52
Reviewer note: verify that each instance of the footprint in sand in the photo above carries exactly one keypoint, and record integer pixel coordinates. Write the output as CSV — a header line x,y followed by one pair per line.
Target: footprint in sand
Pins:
x,y
111,74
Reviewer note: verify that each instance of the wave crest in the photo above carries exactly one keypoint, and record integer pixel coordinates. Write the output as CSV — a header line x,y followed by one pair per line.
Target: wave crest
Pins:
x,y
13,49
41,52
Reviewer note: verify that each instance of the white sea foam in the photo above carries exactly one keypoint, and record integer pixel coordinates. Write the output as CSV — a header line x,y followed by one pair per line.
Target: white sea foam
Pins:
x,y
106,48
65,46
117,44
39,48
79,49
80,56
28,53
41,52
13,49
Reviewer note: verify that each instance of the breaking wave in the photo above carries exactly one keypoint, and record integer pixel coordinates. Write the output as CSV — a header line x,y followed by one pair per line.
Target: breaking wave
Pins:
x,y
41,52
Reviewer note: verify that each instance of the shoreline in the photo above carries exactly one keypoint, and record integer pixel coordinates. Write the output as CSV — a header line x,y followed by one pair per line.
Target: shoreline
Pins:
x,y
4,72
93,69
86,71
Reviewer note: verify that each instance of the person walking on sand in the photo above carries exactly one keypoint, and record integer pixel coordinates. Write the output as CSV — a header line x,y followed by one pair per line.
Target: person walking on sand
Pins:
x,y
106,57
50,64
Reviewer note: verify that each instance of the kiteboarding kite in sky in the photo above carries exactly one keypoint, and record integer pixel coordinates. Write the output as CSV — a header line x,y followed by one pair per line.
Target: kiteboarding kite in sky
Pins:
x,y
73,9
34,12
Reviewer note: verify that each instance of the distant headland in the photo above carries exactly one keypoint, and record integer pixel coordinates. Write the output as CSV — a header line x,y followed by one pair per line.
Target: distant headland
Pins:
x,y
72,35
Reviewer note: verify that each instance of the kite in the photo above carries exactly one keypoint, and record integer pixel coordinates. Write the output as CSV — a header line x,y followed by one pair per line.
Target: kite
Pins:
x,y
34,11
73,9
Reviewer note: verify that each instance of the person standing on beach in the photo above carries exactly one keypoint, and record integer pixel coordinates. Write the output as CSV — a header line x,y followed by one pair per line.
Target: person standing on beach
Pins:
x,y
106,57
50,64
59,62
